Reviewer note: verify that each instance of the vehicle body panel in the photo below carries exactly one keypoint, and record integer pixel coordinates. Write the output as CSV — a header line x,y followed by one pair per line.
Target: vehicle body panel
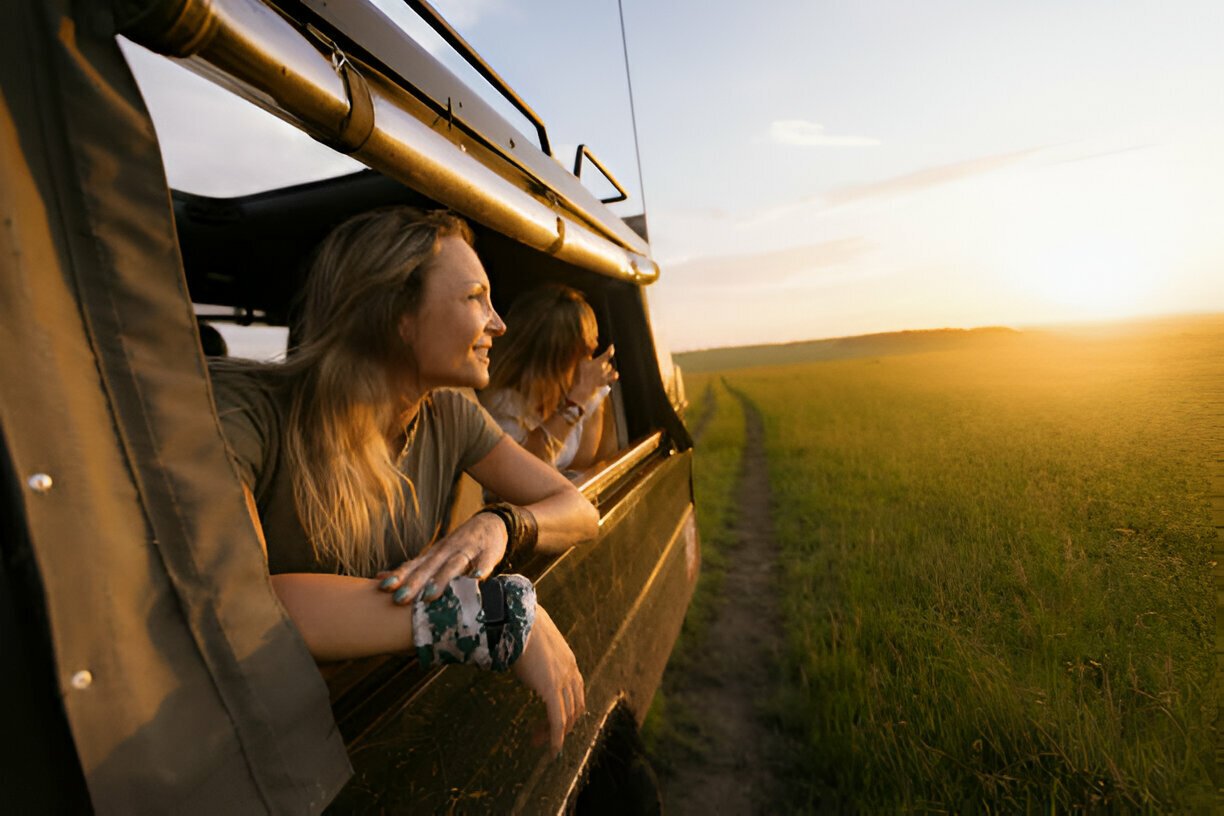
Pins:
x,y
467,742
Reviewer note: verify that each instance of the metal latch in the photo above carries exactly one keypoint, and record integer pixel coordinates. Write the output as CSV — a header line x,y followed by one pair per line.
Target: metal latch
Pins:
x,y
357,125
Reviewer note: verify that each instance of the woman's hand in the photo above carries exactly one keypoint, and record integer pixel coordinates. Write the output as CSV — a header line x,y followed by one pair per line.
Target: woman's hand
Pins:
x,y
591,375
547,667
473,548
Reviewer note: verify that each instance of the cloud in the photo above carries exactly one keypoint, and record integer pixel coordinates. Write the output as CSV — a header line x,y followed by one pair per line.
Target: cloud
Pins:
x,y
897,185
777,267
927,177
809,134
1101,154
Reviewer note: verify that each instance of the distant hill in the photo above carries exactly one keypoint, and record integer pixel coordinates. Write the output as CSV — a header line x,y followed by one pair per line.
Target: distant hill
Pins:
x,y
843,348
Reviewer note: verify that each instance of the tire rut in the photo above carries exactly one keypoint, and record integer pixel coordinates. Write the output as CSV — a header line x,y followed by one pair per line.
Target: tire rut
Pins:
x,y
740,750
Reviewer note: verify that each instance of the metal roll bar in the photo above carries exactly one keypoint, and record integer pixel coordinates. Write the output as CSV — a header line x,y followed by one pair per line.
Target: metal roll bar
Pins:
x,y
279,65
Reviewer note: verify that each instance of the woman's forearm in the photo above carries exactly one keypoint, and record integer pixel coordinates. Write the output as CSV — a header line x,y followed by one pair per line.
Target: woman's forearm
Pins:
x,y
563,515
341,617
588,443
565,519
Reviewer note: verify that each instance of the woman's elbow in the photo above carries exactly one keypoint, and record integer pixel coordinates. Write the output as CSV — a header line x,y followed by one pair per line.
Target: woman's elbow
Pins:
x,y
588,518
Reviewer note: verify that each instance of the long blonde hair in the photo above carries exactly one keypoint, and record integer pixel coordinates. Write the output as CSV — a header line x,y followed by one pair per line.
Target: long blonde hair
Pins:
x,y
548,331
366,275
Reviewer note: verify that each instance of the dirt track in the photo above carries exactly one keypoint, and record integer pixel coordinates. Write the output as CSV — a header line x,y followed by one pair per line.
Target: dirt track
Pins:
x,y
739,749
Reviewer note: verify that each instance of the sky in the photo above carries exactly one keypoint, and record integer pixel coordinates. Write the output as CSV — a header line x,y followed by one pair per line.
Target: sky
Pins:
x,y
820,169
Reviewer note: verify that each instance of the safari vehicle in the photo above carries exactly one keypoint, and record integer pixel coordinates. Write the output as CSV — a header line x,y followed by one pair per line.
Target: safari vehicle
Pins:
x,y
147,665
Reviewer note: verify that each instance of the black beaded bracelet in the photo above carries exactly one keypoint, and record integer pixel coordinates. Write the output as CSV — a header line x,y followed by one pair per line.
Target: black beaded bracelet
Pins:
x,y
522,531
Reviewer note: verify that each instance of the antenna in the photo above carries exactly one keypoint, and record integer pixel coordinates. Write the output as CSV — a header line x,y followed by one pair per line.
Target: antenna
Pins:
x,y
637,148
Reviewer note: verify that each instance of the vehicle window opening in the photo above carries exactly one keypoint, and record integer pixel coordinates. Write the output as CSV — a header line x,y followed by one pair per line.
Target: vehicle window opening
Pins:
x,y
246,258
217,144
229,332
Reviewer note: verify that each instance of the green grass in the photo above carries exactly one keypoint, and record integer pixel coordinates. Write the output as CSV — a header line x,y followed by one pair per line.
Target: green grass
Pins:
x,y
998,596
668,729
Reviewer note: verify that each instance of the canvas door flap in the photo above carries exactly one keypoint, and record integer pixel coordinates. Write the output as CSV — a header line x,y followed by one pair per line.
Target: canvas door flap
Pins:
x,y
200,693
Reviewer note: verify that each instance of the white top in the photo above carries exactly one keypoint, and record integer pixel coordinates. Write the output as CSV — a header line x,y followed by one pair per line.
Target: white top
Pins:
x,y
510,410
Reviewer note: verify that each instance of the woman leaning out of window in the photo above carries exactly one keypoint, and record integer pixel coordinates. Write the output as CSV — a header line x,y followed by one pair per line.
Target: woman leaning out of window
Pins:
x,y
349,450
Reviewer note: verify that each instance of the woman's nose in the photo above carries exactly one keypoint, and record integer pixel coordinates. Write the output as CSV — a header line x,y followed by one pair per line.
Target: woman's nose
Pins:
x,y
496,325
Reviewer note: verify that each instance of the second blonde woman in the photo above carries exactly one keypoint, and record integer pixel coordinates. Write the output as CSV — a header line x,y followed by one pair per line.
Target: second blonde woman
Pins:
x,y
547,388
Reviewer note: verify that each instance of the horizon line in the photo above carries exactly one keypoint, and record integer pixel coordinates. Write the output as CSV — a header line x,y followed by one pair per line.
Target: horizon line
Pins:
x,y
1018,328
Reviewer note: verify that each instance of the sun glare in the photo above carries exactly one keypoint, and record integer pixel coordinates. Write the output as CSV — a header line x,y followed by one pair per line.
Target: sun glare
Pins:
x,y
1089,239
1098,276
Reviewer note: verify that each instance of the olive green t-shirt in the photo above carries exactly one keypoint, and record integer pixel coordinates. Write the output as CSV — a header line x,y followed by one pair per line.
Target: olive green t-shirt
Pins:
x,y
452,433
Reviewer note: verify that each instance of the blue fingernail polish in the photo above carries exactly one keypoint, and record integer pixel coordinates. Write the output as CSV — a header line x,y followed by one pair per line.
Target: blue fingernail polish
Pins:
x,y
430,589
478,575
401,594
388,582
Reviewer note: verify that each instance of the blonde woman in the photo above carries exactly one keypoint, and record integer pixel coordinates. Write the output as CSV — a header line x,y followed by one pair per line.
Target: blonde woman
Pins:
x,y
546,387
348,451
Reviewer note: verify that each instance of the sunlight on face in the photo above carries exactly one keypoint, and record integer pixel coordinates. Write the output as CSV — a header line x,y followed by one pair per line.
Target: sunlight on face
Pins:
x,y
1093,275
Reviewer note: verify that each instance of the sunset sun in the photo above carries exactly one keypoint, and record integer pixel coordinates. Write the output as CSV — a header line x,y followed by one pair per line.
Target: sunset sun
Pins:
x,y
1094,275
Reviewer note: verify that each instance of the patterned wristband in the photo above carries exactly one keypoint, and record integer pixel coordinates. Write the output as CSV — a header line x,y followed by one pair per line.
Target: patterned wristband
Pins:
x,y
520,608
462,626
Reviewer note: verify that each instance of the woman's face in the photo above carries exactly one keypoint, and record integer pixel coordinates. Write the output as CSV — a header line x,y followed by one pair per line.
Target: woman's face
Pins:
x,y
454,325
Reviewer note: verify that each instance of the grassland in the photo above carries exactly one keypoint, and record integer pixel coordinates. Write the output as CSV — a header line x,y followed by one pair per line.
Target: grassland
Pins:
x,y
997,582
